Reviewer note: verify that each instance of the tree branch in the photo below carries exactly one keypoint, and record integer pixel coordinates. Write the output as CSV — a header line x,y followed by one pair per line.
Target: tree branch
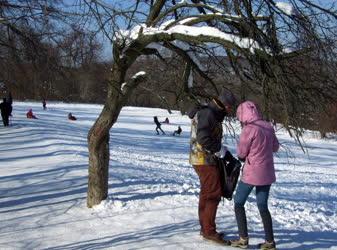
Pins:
x,y
154,12
184,55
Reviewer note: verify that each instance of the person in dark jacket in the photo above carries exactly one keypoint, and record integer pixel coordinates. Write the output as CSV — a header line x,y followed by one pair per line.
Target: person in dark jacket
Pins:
x,y
206,146
158,125
178,131
44,104
5,111
10,102
71,117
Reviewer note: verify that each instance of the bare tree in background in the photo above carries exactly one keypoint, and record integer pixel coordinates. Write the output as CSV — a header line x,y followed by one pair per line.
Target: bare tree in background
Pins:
x,y
44,46
261,38
29,23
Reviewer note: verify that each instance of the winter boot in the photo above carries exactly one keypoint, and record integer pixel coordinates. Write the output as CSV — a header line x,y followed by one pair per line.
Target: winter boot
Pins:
x,y
267,245
217,238
222,234
241,243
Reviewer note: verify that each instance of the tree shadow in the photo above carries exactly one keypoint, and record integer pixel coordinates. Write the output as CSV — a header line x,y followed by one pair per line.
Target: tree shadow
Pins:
x,y
131,239
300,240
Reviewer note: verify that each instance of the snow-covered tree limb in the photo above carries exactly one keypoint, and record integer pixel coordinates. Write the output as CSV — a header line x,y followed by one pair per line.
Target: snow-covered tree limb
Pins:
x,y
198,35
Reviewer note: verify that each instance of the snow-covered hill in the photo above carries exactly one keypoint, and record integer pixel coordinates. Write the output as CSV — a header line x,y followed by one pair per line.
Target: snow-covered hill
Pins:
x,y
153,189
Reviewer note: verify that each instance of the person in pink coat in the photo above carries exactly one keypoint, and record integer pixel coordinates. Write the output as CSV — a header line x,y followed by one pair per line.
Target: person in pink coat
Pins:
x,y
256,146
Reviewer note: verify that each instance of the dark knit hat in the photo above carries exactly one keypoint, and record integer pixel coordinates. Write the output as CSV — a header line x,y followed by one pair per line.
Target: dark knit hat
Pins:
x,y
227,98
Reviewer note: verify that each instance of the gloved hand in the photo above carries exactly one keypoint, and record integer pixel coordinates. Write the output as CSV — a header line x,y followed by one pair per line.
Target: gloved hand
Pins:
x,y
222,152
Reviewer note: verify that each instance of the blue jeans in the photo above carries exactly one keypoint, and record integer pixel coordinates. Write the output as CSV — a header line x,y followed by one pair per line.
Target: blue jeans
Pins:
x,y
240,198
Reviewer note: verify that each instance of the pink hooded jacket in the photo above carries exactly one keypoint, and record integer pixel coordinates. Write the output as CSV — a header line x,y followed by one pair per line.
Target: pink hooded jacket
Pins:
x,y
256,145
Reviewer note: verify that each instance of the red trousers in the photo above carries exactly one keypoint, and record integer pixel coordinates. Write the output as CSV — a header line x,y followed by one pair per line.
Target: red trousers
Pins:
x,y
209,197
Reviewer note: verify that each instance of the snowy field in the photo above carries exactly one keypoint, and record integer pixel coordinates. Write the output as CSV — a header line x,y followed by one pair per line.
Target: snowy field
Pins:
x,y
153,191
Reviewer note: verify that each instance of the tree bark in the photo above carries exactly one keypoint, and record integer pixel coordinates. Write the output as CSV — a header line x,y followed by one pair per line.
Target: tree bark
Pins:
x,y
98,145
98,136
98,140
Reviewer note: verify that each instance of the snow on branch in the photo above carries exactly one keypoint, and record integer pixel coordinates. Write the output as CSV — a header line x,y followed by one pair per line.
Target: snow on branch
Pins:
x,y
140,73
123,87
214,35
189,33
136,78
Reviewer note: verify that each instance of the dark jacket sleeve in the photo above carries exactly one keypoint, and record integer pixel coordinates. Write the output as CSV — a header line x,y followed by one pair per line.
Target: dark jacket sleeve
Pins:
x,y
205,131
193,111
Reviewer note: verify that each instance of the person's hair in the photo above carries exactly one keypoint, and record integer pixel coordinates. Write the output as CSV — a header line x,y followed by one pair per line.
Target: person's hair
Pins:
x,y
227,98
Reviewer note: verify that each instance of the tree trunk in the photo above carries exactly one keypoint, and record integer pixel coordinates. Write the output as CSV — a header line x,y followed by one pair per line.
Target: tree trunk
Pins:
x,y
98,141
98,145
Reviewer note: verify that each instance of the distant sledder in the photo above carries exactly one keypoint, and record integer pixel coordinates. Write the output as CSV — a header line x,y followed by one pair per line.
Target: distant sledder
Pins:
x,y
167,121
71,117
177,132
30,114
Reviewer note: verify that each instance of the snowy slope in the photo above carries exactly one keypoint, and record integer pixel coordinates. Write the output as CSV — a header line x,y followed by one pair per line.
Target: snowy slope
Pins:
x,y
153,190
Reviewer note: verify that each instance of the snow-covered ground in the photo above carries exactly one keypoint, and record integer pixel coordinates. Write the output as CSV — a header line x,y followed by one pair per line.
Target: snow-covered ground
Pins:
x,y
153,191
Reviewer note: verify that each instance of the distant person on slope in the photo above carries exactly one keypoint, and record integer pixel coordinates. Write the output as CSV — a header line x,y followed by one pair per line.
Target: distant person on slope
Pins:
x,y
30,114
256,146
206,148
44,104
71,117
9,100
178,131
6,109
167,121
158,125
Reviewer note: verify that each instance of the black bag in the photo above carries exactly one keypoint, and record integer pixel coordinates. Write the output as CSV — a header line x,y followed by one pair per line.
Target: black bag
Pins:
x,y
229,175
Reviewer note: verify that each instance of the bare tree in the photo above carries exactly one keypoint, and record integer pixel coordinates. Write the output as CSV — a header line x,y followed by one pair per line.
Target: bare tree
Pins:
x,y
259,37
46,49
28,34
284,52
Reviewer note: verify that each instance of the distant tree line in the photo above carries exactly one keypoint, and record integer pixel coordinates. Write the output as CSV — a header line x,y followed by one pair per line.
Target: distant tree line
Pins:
x,y
68,70
73,71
